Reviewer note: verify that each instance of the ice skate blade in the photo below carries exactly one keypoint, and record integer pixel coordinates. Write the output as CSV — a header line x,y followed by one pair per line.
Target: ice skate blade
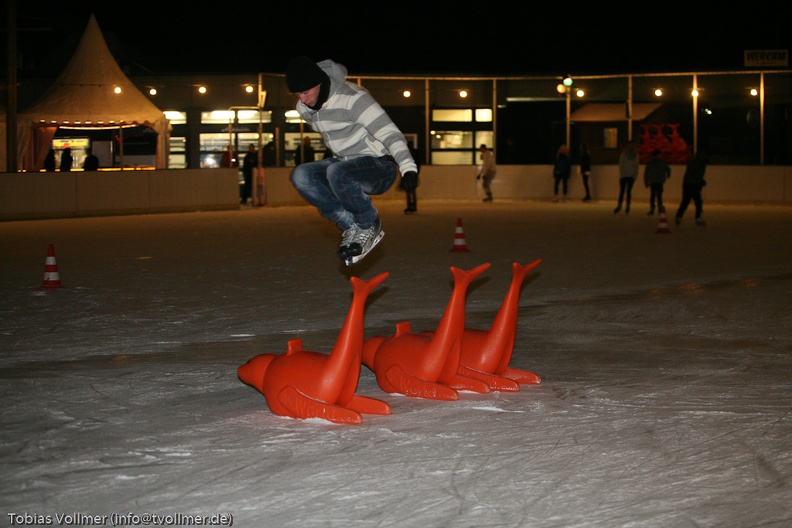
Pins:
x,y
357,258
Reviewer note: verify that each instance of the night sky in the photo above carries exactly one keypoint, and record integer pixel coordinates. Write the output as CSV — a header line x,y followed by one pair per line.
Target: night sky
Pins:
x,y
491,38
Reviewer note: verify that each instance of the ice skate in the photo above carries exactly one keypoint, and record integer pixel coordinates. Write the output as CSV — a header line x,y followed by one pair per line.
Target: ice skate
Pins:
x,y
346,239
363,241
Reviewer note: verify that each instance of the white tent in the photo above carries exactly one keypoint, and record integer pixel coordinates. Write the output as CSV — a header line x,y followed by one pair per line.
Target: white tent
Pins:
x,y
84,96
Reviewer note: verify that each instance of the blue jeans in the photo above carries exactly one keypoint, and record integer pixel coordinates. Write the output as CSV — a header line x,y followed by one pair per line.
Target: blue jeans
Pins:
x,y
340,189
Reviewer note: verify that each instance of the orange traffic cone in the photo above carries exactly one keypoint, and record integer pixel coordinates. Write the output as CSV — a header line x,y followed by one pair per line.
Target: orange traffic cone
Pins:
x,y
51,276
459,238
663,225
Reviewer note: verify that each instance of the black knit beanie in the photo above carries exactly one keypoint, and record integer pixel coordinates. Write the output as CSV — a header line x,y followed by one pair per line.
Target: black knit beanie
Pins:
x,y
303,74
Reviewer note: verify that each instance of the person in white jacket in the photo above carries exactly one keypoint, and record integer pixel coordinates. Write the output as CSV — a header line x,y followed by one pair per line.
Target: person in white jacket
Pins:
x,y
368,149
488,171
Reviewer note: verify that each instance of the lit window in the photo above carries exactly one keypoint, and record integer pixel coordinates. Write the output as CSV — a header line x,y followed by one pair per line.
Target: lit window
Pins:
x,y
252,116
292,116
462,115
216,117
176,118
452,139
484,115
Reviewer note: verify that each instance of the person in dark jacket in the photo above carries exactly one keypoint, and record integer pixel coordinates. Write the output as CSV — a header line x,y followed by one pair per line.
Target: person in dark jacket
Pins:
x,y
305,152
656,172
268,157
410,183
692,183
49,161
585,170
66,160
91,162
561,171
249,163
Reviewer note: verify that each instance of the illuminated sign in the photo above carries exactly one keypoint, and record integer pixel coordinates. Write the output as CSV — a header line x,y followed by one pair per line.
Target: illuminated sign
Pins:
x,y
765,58
74,143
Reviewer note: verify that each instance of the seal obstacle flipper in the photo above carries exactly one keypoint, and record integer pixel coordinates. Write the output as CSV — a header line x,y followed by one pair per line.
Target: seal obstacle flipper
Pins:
x,y
410,385
365,405
303,406
525,377
469,383
495,382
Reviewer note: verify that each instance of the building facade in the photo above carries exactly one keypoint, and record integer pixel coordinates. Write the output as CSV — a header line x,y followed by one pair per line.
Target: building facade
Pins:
x,y
737,117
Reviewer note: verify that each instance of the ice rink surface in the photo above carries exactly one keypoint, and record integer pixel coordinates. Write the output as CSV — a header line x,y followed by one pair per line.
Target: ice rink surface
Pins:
x,y
666,365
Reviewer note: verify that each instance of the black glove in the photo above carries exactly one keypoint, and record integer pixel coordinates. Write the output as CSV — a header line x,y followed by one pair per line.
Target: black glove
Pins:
x,y
478,176
410,181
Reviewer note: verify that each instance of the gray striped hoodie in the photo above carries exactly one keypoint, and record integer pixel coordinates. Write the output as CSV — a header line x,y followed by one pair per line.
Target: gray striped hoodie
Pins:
x,y
353,124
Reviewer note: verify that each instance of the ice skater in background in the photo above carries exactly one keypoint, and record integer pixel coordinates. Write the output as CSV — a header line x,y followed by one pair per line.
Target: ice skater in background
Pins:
x,y
692,183
656,172
562,169
368,149
488,171
629,163
410,184
249,163
585,170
